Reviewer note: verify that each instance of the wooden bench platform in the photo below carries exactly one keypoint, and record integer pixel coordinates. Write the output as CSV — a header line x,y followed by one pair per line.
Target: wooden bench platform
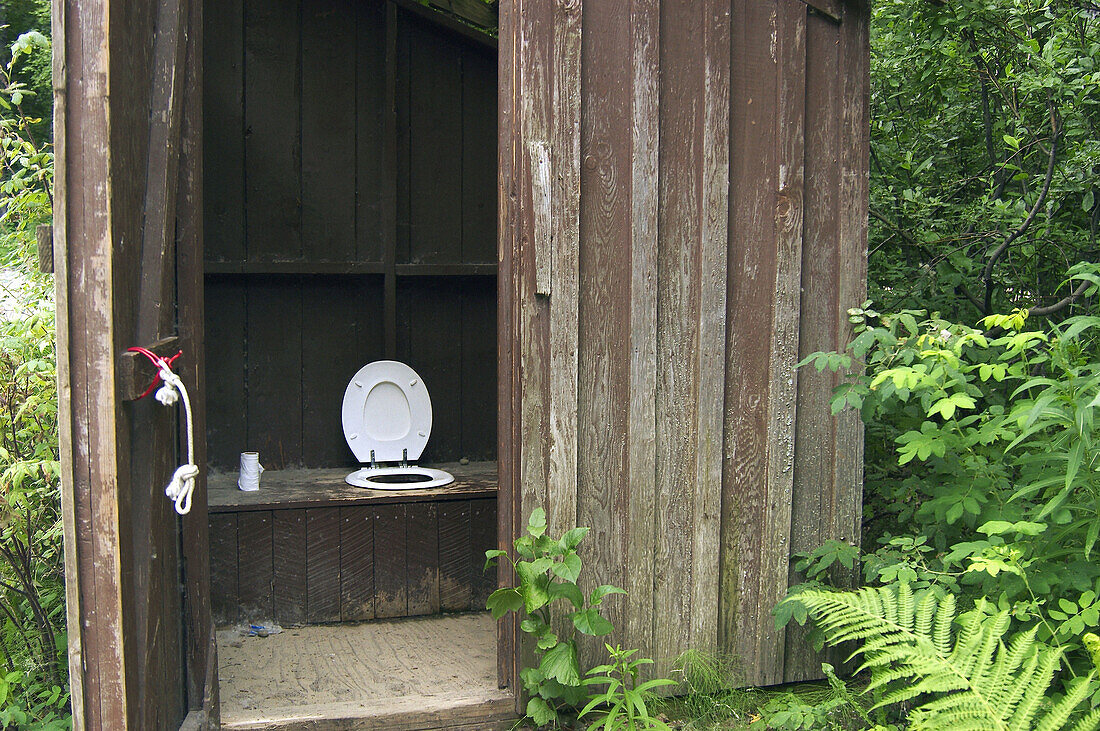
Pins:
x,y
308,548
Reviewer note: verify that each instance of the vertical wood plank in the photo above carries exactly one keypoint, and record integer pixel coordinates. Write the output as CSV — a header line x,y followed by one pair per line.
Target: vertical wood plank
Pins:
x,y
765,261
390,564
422,552
813,511
255,566
323,564
478,406
356,563
593,384
330,356
273,139
393,201
226,342
289,535
508,418
224,599
711,319
563,130
430,325
479,161
328,130
371,105
202,690
456,565
852,281
483,537
642,422
274,402
434,98
223,131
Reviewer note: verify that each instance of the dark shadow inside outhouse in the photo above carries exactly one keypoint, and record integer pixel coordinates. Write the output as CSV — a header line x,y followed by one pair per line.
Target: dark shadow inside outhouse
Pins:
x,y
350,216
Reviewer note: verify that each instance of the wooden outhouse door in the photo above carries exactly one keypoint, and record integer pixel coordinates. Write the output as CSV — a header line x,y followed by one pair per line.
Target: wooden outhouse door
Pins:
x,y
128,252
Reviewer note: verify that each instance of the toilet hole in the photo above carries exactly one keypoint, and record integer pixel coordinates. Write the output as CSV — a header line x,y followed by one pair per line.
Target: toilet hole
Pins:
x,y
400,479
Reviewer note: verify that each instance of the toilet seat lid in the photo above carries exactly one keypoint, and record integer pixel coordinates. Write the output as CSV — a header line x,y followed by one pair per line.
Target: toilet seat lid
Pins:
x,y
386,410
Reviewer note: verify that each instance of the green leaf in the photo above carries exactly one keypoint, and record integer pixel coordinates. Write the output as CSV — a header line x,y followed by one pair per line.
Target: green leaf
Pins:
x,y
591,622
573,538
533,586
540,712
601,591
502,601
536,524
559,590
493,554
560,663
569,568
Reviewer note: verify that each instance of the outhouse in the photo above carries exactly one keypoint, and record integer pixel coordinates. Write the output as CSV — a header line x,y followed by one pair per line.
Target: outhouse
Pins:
x,y
602,232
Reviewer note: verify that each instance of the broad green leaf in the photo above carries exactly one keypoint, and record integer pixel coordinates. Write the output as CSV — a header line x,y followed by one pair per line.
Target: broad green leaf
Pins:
x,y
560,663
569,568
536,524
591,622
502,601
560,590
573,538
601,591
540,712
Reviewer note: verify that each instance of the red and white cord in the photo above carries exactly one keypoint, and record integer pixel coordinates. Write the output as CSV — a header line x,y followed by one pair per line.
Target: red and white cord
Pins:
x,y
182,484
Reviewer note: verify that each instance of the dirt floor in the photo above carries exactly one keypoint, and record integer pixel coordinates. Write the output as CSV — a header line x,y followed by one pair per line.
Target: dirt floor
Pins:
x,y
404,673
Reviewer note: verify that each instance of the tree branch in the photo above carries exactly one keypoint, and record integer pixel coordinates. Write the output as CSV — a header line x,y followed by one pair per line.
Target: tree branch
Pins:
x,y
987,273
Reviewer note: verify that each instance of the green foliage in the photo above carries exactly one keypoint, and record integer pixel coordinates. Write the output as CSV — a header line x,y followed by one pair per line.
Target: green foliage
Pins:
x,y
548,570
624,704
17,18
33,663
985,141
976,677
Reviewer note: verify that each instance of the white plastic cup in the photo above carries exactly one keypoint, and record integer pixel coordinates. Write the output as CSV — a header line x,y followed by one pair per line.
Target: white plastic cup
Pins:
x,y
249,481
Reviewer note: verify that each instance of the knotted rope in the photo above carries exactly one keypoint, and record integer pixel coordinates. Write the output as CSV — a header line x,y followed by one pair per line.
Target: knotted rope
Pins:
x,y
182,484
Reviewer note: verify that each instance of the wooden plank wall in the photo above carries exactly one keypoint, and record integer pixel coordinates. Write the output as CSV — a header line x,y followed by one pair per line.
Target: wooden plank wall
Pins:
x,y
127,274
351,563
360,227
707,163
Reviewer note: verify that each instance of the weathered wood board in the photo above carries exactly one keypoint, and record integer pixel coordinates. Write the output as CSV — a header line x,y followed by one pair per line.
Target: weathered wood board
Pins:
x,y
722,236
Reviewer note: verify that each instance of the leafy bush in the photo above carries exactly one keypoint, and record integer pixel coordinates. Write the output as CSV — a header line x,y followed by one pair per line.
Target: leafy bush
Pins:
x,y
548,570
33,666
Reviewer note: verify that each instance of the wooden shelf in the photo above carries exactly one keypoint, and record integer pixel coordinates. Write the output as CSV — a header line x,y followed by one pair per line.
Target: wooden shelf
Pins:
x,y
311,488
349,267
294,267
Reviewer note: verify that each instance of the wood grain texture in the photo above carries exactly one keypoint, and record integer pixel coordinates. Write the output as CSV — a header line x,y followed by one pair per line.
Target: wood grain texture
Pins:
x,y
273,137
255,566
457,567
390,563
322,565
290,576
422,558
603,311
370,113
328,129
274,397
641,440
224,131
483,537
224,599
225,330
479,160
813,511
201,653
766,216
356,563
326,488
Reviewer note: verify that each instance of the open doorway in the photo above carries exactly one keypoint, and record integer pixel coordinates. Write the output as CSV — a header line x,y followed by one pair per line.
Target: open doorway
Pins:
x,y
350,216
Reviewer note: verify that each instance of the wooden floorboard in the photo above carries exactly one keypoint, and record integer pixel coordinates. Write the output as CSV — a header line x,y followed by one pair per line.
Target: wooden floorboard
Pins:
x,y
416,673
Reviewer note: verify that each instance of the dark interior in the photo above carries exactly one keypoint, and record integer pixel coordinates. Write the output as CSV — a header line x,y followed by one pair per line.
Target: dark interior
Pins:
x,y
337,233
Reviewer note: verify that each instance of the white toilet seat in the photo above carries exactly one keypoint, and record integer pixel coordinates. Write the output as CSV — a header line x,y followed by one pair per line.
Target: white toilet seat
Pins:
x,y
374,478
387,417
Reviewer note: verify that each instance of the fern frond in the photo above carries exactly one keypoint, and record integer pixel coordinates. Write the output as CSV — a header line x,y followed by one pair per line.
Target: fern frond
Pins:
x,y
975,678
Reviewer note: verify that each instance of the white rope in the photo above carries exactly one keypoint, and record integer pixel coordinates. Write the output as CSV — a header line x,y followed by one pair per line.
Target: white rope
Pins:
x,y
183,481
